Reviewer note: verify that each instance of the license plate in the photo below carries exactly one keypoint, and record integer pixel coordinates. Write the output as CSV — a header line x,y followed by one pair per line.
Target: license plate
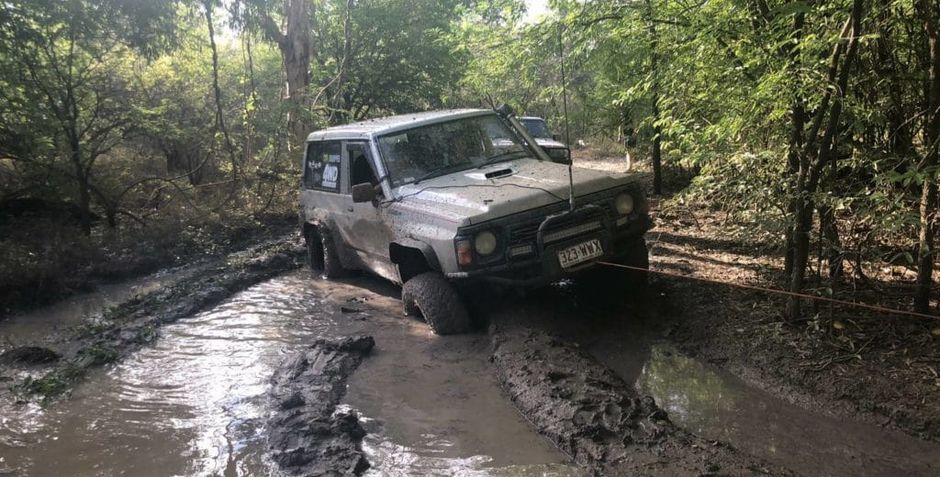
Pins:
x,y
580,253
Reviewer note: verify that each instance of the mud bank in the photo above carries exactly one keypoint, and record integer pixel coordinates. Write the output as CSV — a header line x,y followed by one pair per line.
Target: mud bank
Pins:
x,y
120,330
844,361
309,435
596,418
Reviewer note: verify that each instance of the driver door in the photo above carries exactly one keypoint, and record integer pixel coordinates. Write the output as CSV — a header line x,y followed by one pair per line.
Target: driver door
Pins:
x,y
363,225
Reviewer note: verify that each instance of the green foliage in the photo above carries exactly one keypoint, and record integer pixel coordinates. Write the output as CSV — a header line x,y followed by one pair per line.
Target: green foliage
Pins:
x,y
99,354
109,105
52,384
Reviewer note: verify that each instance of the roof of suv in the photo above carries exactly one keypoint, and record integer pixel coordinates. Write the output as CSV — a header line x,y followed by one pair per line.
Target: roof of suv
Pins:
x,y
373,127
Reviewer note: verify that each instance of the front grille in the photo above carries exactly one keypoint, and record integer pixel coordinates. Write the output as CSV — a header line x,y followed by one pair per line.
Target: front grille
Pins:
x,y
523,236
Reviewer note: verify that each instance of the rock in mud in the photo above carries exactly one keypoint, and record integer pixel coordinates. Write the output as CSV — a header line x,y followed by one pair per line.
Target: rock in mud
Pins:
x,y
309,435
595,417
29,355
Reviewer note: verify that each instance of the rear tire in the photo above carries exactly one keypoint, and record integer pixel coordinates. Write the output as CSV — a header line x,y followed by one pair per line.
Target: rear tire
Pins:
x,y
430,296
322,256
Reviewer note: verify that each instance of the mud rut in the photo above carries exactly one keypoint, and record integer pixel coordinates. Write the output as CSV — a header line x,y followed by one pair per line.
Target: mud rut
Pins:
x,y
380,395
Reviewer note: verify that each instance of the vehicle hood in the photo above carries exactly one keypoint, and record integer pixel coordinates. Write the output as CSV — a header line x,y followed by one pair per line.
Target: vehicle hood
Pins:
x,y
547,143
477,195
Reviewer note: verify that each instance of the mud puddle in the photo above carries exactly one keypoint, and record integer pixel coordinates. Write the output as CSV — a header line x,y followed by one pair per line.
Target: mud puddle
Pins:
x,y
195,402
719,406
43,325
431,404
716,405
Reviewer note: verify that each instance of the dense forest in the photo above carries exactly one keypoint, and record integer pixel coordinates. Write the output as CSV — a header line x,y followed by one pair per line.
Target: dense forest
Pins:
x,y
132,127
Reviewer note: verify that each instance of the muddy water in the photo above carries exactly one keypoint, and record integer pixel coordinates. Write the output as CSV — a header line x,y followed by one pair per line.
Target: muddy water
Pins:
x,y
41,326
718,406
195,402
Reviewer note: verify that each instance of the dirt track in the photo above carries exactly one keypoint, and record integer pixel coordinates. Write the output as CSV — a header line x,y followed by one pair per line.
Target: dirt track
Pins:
x,y
598,381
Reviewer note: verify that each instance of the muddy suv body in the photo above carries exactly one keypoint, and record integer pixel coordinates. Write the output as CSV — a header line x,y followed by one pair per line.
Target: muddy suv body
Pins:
x,y
442,200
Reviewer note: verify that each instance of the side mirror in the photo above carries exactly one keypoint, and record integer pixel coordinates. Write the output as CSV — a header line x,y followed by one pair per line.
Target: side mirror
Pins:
x,y
556,137
364,192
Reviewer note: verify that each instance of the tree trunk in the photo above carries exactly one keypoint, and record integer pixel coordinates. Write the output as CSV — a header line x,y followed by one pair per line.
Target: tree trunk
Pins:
x,y
819,151
217,90
656,155
295,50
797,130
928,200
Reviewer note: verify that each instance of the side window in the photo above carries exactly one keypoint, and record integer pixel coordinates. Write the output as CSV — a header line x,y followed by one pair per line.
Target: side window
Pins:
x,y
322,168
360,169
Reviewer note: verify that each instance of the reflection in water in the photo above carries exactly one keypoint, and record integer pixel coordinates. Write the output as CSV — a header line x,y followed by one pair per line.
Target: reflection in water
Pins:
x,y
192,404
429,458
718,406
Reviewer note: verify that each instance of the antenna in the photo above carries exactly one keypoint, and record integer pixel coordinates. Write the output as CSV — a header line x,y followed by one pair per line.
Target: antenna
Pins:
x,y
564,98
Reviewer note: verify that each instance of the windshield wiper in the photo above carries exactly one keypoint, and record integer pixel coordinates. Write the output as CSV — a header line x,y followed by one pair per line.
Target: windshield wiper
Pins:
x,y
499,157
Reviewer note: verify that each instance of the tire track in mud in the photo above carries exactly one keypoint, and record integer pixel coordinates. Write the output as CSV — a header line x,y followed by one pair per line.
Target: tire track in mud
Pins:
x,y
308,434
125,328
595,417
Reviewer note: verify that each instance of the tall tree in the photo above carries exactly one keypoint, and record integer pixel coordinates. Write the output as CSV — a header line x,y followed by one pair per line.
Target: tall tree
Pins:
x,y
63,57
820,148
926,254
292,36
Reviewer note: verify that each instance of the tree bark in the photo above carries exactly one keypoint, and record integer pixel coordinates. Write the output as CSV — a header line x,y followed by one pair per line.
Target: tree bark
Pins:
x,y
928,201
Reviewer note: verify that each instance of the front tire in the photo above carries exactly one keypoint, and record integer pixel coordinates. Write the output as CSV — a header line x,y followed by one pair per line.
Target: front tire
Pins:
x,y
430,296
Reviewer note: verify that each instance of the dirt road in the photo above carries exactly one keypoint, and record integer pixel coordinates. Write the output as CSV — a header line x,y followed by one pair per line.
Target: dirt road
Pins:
x,y
200,399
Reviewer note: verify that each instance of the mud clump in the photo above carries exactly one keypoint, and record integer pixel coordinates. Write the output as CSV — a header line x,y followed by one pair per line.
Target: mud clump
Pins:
x,y
309,435
29,355
595,417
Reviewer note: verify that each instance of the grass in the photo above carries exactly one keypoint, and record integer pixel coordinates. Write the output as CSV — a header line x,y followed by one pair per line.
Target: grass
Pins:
x,y
51,385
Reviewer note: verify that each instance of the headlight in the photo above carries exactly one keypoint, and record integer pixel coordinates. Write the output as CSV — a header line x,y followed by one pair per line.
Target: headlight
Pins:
x,y
485,243
624,204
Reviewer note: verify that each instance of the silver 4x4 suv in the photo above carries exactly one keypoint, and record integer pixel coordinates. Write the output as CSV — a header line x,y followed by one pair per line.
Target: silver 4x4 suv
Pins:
x,y
440,200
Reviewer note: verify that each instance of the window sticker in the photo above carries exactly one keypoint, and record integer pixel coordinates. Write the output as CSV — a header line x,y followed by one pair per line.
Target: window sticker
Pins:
x,y
323,167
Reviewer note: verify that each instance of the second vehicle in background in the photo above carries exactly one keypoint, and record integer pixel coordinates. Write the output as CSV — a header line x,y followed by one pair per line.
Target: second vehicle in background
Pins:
x,y
551,143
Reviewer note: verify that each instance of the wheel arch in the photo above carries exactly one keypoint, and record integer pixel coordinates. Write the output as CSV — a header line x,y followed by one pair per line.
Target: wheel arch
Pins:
x,y
413,258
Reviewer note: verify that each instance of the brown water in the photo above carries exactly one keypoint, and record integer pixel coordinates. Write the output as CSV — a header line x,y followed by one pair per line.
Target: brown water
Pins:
x,y
195,402
43,325
717,405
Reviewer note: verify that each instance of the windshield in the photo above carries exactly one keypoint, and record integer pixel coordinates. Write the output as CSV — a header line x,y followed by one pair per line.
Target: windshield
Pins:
x,y
537,128
438,149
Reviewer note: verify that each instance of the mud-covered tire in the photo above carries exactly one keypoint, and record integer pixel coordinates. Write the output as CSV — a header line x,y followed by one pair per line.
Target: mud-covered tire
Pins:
x,y
322,256
430,296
